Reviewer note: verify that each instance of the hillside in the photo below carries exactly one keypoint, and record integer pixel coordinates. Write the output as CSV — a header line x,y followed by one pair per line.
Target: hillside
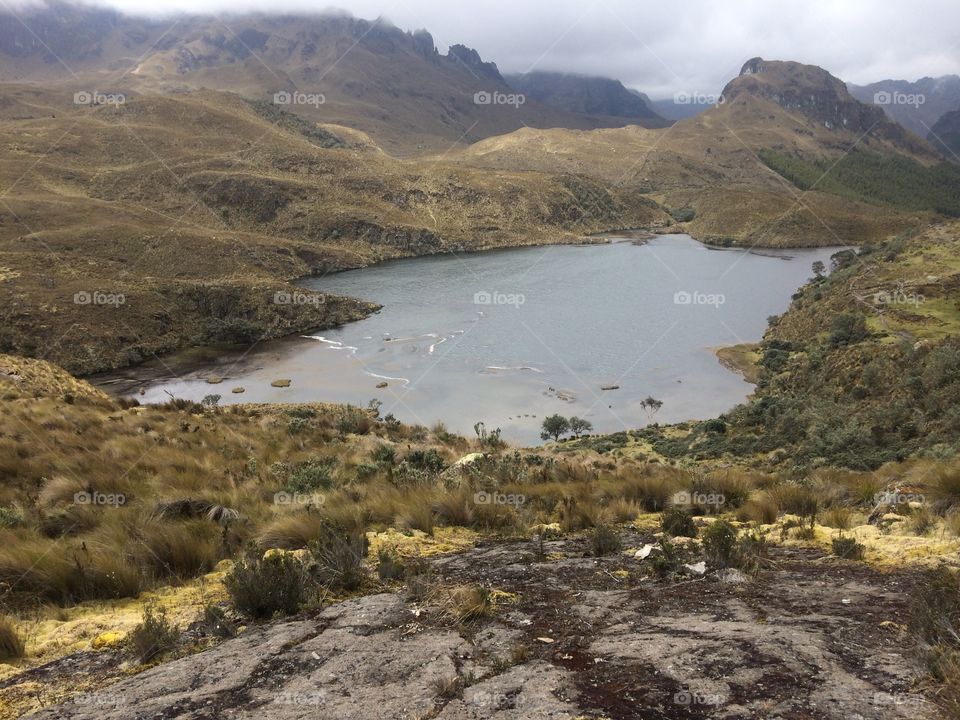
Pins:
x,y
915,105
945,135
210,205
370,75
588,96
709,169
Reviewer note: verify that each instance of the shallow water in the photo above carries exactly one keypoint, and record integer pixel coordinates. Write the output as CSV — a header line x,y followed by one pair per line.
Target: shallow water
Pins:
x,y
508,337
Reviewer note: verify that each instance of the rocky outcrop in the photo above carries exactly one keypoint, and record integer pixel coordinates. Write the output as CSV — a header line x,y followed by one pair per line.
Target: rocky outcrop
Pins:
x,y
815,93
810,637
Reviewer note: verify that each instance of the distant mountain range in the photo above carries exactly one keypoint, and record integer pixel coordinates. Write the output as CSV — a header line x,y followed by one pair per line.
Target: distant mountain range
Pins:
x,y
585,95
915,105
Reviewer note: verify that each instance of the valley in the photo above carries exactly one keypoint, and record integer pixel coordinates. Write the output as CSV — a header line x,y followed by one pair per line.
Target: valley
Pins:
x,y
342,374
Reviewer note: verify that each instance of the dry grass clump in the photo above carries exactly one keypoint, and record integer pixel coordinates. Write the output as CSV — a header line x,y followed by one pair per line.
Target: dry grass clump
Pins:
x,y
338,558
292,531
12,646
464,603
839,517
944,484
798,500
762,507
178,550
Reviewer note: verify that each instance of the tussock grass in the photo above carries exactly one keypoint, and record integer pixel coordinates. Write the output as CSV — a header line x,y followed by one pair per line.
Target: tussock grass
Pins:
x,y
12,646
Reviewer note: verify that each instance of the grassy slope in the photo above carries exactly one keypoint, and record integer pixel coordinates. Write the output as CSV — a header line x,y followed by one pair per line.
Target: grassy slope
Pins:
x,y
199,207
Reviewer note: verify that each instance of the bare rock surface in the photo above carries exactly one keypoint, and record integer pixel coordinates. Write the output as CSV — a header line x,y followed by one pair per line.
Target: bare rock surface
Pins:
x,y
809,637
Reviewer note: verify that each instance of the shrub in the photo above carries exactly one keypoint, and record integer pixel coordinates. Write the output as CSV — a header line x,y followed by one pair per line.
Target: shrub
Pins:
x,y
389,566
605,540
848,329
677,522
264,586
427,460
11,517
315,474
11,644
384,454
154,636
720,544
339,558
215,622
847,548
354,421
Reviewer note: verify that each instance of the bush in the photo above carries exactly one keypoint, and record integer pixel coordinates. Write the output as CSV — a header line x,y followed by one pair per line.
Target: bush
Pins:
x,y
339,558
384,454
847,548
11,517
848,329
315,474
154,636
262,587
720,544
11,644
678,523
605,540
389,566
427,460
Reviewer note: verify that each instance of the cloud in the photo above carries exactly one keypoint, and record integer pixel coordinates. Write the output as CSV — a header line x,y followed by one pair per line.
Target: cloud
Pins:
x,y
662,47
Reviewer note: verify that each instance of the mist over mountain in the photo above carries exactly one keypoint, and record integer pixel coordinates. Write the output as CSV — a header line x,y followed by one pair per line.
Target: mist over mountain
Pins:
x,y
915,105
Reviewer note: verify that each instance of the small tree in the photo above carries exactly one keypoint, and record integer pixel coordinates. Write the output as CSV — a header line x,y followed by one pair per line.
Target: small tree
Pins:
x,y
651,406
818,269
579,426
554,426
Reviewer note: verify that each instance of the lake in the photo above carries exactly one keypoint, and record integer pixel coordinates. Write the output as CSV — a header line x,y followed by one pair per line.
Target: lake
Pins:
x,y
508,337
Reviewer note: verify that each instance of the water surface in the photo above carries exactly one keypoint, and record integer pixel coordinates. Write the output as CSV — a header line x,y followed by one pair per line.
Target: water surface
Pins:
x,y
508,337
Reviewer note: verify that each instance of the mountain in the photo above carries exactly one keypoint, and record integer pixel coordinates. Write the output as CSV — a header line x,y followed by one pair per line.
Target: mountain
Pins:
x,y
740,172
813,92
333,68
675,109
915,105
592,96
945,135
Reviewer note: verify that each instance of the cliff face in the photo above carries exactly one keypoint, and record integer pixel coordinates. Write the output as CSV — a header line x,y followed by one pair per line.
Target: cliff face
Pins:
x,y
815,93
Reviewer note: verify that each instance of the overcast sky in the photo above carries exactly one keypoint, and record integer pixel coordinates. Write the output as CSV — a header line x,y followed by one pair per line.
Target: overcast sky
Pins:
x,y
661,46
